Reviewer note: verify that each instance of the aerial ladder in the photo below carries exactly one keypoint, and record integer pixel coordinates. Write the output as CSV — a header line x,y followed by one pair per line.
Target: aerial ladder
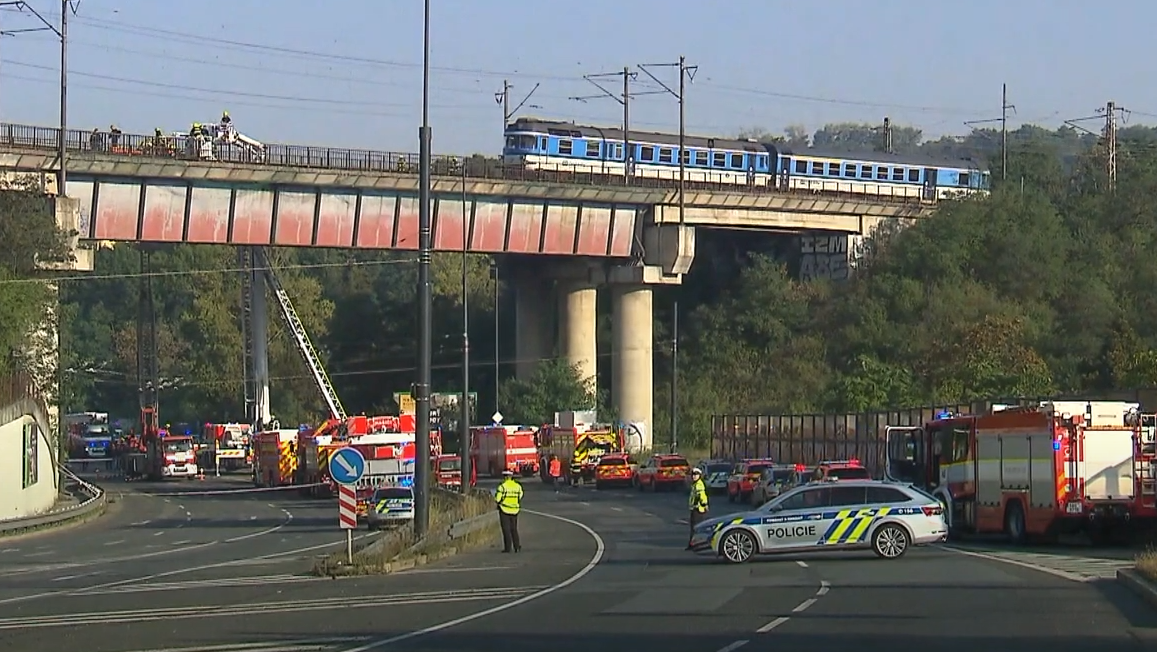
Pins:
x,y
261,260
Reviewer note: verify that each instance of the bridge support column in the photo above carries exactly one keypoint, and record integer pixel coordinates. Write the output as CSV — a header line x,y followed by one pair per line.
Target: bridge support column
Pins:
x,y
579,332
533,319
633,373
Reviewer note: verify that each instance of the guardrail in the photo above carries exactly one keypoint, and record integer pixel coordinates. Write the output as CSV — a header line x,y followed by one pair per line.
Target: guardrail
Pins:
x,y
95,504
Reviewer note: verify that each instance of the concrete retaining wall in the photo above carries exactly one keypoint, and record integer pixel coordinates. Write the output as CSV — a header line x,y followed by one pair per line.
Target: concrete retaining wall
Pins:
x,y
29,482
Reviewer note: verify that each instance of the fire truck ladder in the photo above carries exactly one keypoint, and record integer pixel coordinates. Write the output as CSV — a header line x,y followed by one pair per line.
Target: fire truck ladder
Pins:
x,y
1145,460
300,337
245,262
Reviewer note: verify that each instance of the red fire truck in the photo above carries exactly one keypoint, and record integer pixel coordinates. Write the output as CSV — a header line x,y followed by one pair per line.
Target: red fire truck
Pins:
x,y
448,471
578,449
228,446
505,448
1040,471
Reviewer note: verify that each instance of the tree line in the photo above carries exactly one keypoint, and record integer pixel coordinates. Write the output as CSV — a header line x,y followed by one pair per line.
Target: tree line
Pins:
x,y
1044,287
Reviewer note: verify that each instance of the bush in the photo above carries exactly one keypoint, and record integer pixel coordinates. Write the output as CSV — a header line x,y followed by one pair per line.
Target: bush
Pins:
x,y
1147,564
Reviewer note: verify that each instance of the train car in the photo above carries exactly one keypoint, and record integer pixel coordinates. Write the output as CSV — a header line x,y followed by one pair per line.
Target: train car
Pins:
x,y
564,148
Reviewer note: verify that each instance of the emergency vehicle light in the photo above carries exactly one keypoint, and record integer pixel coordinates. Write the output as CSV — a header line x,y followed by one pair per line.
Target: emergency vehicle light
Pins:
x,y
800,467
1056,444
944,415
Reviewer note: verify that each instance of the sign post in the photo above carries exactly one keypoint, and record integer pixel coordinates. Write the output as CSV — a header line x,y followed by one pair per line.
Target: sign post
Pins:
x,y
346,467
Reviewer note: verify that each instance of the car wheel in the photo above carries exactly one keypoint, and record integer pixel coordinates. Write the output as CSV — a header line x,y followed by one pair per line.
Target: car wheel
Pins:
x,y
890,541
1014,523
738,546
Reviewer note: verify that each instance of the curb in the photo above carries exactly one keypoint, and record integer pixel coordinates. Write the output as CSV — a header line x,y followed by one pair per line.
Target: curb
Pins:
x,y
391,567
1133,580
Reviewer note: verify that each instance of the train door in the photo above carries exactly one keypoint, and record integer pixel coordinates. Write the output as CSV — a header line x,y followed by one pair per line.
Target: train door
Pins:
x,y
929,184
784,182
905,455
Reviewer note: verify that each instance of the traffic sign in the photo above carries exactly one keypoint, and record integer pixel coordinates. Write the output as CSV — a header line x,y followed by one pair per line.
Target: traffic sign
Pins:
x,y
347,466
347,507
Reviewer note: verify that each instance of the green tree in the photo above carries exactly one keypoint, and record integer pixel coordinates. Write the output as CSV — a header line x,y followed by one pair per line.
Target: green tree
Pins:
x,y
555,386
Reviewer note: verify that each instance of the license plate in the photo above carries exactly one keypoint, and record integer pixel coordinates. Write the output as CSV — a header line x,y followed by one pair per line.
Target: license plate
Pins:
x,y
1074,508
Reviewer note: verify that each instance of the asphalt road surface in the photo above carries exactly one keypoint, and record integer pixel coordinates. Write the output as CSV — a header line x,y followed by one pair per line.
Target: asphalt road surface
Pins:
x,y
608,573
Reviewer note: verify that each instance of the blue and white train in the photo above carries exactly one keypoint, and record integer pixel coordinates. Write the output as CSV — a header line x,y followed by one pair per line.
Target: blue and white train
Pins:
x,y
564,147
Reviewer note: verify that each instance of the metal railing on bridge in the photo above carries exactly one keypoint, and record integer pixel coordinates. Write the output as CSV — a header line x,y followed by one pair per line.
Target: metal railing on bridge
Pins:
x,y
810,438
16,136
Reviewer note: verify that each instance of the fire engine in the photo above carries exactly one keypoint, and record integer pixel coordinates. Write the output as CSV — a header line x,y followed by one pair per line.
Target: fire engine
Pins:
x,y
578,449
448,471
314,447
1040,471
228,445
390,459
161,454
274,457
505,448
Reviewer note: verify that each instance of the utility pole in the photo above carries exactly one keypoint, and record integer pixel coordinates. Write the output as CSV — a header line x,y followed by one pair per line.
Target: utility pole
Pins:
x,y
425,303
625,100
888,136
464,418
1108,135
502,97
1005,107
686,74
66,7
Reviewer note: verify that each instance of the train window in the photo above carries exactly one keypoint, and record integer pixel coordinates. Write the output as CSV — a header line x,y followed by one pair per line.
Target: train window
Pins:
x,y
801,167
865,172
762,161
737,161
686,157
964,179
565,146
646,154
817,168
666,155
833,169
719,160
619,152
882,173
542,143
914,175
593,148
897,174
850,170
511,142
701,158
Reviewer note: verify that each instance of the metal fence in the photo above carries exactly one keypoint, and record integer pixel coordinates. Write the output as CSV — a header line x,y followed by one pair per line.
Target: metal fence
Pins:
x,y
810,438
14,136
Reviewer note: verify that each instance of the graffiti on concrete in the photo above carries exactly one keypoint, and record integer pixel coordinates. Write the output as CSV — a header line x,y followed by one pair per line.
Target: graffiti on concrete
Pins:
x,y
824,256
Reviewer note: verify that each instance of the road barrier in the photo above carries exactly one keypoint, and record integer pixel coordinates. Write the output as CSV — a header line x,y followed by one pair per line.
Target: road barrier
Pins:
x,y
93,505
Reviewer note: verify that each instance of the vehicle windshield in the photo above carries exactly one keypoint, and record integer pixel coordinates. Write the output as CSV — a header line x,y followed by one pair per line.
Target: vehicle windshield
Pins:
x,y
450,465
757,468
782,475
395,492
614,461
673,462
850,473
96,431
712,469
178,446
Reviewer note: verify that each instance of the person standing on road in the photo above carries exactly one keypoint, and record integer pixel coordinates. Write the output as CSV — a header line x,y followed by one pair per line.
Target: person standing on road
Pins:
x,y
508,497
555,471
696,503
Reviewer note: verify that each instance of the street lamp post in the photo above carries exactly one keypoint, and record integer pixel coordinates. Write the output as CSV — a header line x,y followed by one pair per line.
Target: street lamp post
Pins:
x,y
425,301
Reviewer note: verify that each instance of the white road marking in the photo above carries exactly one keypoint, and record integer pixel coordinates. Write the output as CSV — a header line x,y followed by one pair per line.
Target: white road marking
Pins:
x,y
303,645
157,534
799,608
38,554
74,577
731,647
1072,577
802,564
616,509
113,543
600,551
139,523
182,542
9,550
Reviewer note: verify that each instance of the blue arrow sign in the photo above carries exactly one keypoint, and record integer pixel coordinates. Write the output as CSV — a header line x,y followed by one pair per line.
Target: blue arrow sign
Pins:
x,y
347,466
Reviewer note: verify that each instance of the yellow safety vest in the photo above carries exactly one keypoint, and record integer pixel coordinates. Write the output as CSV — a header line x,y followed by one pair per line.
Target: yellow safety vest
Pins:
x,y
697,501
509,497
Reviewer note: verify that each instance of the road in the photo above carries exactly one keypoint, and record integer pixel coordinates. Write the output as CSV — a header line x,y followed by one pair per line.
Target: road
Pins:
x,y
606,572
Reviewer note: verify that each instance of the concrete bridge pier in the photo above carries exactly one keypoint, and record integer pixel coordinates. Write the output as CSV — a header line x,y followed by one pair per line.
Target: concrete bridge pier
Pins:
x,y
578,334
534,319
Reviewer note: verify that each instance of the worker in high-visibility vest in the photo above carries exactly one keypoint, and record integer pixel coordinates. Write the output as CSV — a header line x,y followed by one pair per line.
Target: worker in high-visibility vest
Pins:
x,y
696,503
555,471
508,497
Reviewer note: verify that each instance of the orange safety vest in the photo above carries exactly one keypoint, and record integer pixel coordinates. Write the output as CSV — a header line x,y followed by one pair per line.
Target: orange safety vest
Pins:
x,y
555,468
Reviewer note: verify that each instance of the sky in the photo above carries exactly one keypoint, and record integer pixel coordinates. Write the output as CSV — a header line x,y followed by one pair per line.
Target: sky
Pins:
x,y
347,73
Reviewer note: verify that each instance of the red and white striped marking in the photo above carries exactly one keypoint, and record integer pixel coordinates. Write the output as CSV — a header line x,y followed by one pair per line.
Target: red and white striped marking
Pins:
x,y
347,507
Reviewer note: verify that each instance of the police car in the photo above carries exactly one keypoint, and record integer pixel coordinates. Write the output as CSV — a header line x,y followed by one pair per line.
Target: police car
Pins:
x,y
390,506
821,516
715,473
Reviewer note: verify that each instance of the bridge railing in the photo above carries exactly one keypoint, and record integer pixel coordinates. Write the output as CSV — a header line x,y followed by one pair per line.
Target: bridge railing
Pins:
x,y
15,136
810,438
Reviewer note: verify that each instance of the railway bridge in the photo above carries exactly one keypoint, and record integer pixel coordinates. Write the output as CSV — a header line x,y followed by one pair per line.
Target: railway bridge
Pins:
x,y
558,237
